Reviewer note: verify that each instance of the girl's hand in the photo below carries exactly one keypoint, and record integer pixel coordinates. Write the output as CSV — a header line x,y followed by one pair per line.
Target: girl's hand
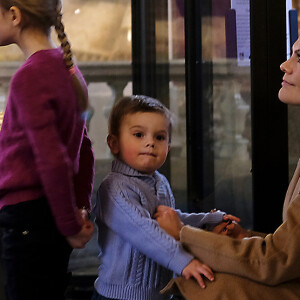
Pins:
x,y
194,269
79,240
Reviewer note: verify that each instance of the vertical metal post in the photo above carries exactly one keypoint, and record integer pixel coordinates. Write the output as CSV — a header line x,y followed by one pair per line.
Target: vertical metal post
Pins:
x,y
269,115
150,72
143,47
162,68
200,158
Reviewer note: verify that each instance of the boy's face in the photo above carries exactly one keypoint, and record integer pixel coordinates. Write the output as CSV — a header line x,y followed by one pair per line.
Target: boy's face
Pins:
x,y
143,141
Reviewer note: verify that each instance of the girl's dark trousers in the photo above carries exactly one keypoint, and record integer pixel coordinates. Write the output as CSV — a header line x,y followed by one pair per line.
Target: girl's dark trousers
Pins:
x,y
35,255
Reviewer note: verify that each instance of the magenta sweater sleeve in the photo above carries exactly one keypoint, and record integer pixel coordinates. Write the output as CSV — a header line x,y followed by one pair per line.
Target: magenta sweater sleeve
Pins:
x,y
40,115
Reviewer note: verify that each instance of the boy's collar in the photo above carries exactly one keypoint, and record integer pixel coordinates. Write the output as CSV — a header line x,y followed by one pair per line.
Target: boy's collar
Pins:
x,y
121,167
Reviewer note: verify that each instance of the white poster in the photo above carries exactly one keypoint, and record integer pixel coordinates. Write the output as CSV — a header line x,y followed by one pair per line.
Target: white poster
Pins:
x,y
289,6
242,8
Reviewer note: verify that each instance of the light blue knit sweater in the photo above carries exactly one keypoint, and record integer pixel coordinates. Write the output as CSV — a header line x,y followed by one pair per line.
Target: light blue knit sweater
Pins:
x,y
138,258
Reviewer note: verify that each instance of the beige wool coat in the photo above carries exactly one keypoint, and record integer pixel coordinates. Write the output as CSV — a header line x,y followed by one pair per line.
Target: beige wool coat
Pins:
x,y
252,268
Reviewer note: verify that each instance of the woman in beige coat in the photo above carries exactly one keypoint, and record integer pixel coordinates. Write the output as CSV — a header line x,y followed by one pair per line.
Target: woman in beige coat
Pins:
x,y
255,267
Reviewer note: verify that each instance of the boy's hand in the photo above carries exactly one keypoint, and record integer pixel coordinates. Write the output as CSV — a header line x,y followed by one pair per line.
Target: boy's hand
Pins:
x,y
194,269
168,220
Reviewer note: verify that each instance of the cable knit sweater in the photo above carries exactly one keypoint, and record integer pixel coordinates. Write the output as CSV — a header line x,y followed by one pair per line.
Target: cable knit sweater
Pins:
x,y
44,147
138,257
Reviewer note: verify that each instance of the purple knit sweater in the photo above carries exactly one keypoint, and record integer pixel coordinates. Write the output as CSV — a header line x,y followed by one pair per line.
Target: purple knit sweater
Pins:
x,y
44,147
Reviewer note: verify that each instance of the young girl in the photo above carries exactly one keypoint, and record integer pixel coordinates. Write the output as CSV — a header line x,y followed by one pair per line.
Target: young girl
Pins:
x,y
137,257
46,159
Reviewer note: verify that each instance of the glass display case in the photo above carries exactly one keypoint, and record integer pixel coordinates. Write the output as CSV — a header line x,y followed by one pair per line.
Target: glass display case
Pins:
x,y
219,108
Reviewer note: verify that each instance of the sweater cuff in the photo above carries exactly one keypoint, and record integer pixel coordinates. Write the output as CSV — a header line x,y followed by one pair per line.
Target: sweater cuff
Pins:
x,y
213,219
180,260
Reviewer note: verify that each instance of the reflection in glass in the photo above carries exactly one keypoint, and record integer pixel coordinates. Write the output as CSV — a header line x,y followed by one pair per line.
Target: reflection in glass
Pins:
x,y
229,98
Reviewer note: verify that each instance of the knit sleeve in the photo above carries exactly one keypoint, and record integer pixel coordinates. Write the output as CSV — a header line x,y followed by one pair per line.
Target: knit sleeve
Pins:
x,y
37,115
118,206
201,220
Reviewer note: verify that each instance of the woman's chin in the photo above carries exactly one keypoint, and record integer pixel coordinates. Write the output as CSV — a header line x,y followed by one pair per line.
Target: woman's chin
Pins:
x,y
289,96
282,96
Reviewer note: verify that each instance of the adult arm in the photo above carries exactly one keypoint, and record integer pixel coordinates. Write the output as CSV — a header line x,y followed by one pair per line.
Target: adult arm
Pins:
x,y
271,260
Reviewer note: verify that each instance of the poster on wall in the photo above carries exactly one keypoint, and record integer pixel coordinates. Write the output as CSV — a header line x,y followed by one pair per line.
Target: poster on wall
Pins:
x,y
289,7
242,9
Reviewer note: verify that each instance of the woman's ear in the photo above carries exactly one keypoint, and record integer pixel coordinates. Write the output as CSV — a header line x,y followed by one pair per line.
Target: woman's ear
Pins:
x,y
113,144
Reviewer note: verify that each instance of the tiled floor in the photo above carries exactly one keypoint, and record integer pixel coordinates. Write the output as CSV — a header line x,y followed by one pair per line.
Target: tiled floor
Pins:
x,y
81,288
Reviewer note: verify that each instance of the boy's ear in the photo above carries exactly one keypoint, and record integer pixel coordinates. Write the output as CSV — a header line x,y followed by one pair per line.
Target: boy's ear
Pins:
x,y
113,144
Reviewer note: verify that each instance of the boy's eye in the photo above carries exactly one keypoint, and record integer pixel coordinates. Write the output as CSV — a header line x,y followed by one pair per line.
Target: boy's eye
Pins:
x,y
160,137
138,134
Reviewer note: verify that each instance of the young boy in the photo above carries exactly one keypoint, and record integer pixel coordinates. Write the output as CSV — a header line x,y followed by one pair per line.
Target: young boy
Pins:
x,y
138,258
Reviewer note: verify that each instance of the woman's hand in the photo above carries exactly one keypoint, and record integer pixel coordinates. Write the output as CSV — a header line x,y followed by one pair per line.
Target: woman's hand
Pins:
x,y
231,228
194,269
231,218
168,220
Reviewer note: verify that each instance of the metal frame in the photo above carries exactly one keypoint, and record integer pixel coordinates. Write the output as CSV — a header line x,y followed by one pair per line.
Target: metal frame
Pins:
x,y
143,47
149,76
200,156
269,115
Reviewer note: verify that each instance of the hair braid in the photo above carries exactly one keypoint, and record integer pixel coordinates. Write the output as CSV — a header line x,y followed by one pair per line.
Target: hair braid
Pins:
x,y
68,58
60,29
